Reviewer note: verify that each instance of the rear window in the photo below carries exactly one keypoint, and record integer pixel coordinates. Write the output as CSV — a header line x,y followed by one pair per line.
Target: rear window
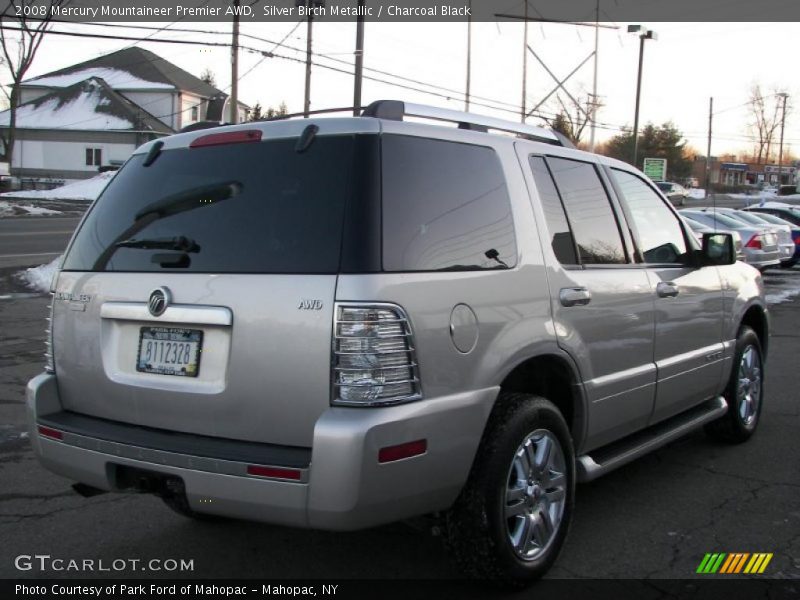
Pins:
x,y
238,208
445,207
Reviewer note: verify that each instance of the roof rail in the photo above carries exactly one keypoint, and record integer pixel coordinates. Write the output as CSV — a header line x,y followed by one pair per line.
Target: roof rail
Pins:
x,y
396,110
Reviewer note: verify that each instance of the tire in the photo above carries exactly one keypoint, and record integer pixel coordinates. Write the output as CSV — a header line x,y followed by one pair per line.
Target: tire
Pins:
x,y
744,392
789,264
510,521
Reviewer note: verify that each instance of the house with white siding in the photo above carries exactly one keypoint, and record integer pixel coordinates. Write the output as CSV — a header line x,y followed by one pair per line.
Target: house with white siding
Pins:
x,y
75,120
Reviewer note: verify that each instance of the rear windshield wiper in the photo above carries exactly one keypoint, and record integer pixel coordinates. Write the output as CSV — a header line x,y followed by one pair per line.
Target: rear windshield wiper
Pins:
x,y
206,195
190,199
180,243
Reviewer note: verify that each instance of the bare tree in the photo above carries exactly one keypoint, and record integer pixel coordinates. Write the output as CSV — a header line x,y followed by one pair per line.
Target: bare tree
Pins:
x,y
570,118
208,76
20,38
765,115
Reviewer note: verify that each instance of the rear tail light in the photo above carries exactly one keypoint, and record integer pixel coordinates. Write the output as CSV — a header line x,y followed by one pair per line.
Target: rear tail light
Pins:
x,y
754,242
374,362
49,360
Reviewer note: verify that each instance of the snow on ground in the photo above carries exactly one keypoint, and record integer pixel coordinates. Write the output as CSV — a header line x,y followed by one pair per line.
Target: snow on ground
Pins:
x,y
781,285
8,209
39,278
697,193
85,189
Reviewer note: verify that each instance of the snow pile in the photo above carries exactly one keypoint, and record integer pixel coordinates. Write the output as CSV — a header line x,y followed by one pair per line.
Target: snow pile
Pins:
x,y
8,209
39,278
697,193
115,78
85,189
781,296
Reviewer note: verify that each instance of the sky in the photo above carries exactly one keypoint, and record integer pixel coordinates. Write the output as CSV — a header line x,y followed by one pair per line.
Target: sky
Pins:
x,y
683,68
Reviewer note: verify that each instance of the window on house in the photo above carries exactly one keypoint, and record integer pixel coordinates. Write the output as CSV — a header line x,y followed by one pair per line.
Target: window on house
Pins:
x,y
194,113
94,157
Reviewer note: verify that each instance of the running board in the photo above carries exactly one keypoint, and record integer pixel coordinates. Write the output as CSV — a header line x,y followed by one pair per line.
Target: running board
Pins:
x,y
605,459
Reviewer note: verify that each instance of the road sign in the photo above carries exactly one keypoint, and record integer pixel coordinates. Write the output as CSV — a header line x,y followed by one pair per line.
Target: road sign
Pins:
x,y
655,168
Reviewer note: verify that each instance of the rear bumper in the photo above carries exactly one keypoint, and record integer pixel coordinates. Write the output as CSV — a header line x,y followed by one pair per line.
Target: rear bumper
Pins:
x,y
787,252
343,487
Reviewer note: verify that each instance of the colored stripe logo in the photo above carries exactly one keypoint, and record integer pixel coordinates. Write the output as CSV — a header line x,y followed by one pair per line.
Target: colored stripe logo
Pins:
x,y
733,563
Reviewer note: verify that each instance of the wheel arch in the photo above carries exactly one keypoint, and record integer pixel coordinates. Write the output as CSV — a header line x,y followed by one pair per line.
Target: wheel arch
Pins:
x,y
756,318
556,378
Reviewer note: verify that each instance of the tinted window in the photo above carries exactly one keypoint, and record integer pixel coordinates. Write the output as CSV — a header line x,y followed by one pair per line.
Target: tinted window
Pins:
x,y
248,208
560,235
660,233
589,212
445,207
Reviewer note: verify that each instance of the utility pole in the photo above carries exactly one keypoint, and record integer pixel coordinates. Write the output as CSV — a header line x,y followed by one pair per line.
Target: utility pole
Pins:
x,y
594,82
708,150
523,112
644,34
783,95
469,55
309,30
234,99
359,73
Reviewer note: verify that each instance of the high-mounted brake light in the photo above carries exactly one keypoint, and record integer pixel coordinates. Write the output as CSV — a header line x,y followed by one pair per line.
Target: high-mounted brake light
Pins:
x,y
228,137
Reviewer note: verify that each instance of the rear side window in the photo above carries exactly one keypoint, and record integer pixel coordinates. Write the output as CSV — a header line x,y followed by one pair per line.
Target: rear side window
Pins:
x,y
445,207
239,208
589,211
561,239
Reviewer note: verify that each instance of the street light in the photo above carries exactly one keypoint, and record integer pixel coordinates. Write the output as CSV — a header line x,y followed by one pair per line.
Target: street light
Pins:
x,y
644,34
783,95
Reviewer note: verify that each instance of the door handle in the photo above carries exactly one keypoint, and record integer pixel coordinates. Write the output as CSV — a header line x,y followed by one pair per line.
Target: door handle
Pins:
x,y
574,296
667,289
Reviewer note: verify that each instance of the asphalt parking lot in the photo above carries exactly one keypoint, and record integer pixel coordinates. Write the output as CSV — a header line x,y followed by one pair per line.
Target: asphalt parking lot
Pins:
x,y
655,518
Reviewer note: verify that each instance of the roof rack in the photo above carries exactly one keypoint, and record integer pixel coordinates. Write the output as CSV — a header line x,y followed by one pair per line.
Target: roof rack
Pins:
x,y
396,110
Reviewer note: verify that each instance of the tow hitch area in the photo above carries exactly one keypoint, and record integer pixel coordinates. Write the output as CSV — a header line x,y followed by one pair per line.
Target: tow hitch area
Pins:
x,y
130,479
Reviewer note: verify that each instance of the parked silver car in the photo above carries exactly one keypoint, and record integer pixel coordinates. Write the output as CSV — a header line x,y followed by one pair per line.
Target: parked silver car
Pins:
x,y
782,230
760,245
338,323
698,229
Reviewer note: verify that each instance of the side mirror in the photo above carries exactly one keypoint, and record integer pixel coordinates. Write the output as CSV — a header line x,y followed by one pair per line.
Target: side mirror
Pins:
x,y
718,249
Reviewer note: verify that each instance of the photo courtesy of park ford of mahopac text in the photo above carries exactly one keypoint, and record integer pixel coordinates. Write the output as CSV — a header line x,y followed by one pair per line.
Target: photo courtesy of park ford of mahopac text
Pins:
x,y
359,299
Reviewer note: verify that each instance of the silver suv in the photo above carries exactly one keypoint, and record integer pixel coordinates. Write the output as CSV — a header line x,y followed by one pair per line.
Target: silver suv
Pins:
x,y
338,323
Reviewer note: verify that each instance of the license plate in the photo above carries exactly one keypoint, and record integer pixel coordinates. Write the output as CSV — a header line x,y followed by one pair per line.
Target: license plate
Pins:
x,y
169,351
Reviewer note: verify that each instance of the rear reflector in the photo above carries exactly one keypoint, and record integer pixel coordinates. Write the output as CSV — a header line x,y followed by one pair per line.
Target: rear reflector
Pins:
x,y
50,433
274,472
407,450
229,137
